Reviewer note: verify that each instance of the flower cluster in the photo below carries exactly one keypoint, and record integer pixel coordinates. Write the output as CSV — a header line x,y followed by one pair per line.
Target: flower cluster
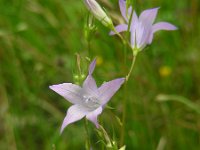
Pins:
x,y
89,100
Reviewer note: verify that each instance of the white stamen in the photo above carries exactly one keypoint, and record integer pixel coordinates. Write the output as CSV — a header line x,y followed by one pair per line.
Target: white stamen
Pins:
x,y
90,101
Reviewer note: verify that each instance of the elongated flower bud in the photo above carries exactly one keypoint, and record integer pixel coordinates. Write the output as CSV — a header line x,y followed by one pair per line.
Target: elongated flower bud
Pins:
x,y
98,12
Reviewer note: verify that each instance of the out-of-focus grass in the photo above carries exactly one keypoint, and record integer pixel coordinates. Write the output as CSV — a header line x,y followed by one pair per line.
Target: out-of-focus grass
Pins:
x,y
38,42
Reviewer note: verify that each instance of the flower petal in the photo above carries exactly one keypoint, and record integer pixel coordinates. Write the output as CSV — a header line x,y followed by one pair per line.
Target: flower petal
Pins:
x,y
122,6
163,26
134,26
142,33
160,26
134,21
130,11
133,38
74,113
150,38
92,66
148,16
92,116
108,89
120,28
69,91
89,85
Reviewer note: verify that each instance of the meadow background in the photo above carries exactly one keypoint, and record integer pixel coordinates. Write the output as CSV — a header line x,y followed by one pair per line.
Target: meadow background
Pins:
x,y
38,43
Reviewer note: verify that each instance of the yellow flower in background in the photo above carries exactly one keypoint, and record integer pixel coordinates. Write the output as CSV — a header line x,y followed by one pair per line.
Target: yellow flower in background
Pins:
x,y
165,71
99,60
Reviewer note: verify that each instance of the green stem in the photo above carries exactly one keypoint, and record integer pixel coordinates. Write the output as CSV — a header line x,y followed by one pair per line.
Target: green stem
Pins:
x,y
89,48
122,136
130,20
132,65
125,42
107,138
124,101
134,54
88,136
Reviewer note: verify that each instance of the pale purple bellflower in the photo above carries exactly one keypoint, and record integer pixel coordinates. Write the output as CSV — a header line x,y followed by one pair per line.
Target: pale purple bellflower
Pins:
x,y
88,100
142,28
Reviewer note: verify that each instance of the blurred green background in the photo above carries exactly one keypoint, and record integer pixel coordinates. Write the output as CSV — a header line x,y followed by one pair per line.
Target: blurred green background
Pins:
x,y
38,42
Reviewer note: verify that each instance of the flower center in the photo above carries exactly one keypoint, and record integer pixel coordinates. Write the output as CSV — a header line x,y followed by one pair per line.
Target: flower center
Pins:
x,y
90,102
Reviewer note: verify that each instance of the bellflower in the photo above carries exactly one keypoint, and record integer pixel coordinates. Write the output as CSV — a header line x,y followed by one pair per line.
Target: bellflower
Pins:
x,y
88,100
98,12
142,28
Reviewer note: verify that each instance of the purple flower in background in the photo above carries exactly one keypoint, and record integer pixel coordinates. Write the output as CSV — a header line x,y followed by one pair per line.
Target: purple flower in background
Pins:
x,y
142,28
88,100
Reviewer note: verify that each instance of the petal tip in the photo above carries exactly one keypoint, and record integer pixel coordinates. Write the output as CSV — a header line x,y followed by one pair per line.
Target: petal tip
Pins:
x,y
61,131
122,2
155,8
111,33
92,66
54,87
122,80
175,28
51,87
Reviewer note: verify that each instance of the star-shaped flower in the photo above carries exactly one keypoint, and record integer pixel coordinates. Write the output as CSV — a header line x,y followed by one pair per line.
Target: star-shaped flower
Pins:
x,y
88,100
142,28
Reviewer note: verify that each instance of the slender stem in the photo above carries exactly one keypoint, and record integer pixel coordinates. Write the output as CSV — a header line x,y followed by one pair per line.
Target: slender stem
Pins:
x,y
89,29
134,54
127,36
125,42
120,36
124,101
88,136
132,65
122,136
89,48
130,20
106,135
107,138
125,59
122,132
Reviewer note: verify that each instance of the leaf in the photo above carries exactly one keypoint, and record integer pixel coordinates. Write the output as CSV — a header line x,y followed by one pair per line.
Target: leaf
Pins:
x,y
109,107
119,121
181,99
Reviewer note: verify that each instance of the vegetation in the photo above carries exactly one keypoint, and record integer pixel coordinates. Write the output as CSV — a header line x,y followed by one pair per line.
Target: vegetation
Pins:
x,y
39,42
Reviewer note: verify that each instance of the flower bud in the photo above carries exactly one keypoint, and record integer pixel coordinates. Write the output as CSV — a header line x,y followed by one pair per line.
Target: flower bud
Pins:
x,y
82,76
89,28
76,77
98,12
